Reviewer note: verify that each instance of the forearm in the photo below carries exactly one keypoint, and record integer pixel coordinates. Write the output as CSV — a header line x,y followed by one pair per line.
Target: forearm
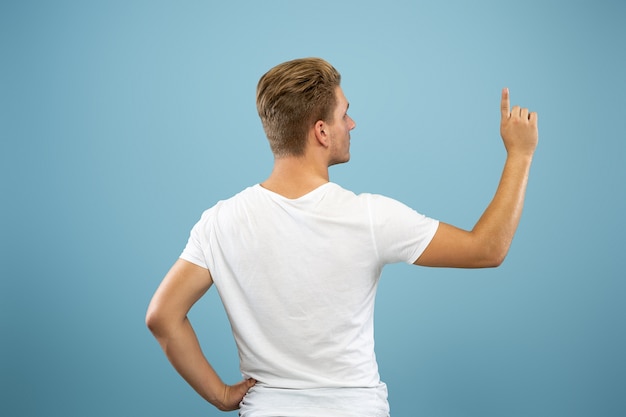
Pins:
x,y
497,226
182,348
487,244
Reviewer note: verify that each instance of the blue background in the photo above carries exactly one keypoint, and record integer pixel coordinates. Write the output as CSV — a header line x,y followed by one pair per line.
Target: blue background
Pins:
x,y
121,121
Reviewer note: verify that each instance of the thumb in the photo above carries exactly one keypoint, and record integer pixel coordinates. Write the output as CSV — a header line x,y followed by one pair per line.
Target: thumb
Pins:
x,y
246,384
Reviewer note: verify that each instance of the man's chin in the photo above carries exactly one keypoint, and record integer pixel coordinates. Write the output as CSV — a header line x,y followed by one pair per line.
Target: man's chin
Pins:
x,y
340,161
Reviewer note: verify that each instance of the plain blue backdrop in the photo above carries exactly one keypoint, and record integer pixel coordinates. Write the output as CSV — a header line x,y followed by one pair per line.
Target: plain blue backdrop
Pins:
x,y
121,121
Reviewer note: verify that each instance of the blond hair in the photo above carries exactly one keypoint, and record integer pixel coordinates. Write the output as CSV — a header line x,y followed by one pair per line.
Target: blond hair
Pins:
x,y
291,97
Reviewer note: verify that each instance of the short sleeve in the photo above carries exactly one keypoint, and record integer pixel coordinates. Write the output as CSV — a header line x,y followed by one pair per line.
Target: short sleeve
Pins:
x,y
193,251
400,233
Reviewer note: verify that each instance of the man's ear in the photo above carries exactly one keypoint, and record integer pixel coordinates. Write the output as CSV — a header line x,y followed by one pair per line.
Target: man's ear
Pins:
x,y
321,135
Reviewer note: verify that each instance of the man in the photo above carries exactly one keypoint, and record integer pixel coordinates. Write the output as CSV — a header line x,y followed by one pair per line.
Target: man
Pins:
x,y
296,259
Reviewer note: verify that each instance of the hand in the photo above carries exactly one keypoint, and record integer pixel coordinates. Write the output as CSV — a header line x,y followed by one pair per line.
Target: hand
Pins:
x,y
233,394
518,128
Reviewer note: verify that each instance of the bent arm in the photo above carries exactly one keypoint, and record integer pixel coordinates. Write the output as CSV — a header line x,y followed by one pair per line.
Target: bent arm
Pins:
x,y
167,319
487,244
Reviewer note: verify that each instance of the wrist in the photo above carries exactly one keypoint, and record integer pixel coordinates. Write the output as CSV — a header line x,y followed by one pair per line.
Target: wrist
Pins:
x,y
521,157
215,394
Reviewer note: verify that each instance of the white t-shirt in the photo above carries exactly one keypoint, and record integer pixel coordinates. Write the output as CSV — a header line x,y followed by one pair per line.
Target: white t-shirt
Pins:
x,y
298,280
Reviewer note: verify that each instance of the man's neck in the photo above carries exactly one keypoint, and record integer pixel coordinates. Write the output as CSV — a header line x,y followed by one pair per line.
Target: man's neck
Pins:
x,y
293,177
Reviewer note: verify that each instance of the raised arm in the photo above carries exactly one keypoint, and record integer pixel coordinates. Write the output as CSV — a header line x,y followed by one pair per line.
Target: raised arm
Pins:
x,y
167,318
487,244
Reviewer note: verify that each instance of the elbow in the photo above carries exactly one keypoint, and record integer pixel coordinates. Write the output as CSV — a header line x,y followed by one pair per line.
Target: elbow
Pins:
x,y
155,321
495,257
490,252
162,322
494,263
152,320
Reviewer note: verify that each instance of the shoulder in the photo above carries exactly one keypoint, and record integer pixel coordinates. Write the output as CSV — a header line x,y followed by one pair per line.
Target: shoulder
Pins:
x,y
373,200
228,204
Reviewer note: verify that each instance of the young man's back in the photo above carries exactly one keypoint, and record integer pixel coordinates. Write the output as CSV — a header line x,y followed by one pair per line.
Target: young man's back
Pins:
x,y
298,279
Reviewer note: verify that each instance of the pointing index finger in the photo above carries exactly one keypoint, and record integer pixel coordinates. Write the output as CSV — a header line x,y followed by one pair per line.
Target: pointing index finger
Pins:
x,y
505,106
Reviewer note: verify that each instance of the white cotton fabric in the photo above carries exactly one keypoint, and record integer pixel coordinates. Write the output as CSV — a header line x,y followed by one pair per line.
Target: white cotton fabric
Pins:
x,y
298,280
262,401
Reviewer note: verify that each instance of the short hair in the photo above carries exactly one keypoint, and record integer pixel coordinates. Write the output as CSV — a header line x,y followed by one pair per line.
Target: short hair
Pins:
x,y
291,97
